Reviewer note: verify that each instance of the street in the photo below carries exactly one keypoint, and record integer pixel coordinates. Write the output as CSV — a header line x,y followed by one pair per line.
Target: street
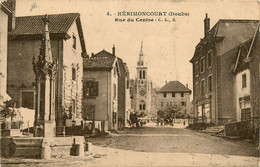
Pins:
x,y
156,146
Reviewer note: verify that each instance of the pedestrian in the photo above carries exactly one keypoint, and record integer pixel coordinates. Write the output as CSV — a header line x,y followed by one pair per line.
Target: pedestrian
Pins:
x,y
184,123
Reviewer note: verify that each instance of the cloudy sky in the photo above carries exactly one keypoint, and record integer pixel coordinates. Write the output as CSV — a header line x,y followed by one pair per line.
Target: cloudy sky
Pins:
x,y
168,46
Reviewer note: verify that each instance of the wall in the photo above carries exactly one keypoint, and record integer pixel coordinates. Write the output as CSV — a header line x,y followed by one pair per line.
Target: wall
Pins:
x,y
72,89
3,52
241,92
226,81
102,101
255,82
19,66
122,93
174,100
114,101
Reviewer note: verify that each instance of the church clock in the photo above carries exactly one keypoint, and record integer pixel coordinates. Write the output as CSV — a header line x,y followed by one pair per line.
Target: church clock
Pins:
x,y
142,92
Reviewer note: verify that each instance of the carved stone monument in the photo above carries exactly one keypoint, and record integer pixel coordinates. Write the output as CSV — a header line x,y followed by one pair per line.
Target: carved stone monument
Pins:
x,y
45,70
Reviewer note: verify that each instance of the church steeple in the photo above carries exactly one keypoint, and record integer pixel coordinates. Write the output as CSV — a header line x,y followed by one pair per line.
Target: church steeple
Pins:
x,y
141,56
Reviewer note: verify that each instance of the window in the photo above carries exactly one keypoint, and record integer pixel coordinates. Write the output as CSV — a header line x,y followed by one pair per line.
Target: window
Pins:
x,y
143,74
183,103
142,105
210,86
202,64
243,80
114,91
90,89
28,100
73,74
74,45
202,87
164,95
182,94
209,56
196,68
173,94
140,74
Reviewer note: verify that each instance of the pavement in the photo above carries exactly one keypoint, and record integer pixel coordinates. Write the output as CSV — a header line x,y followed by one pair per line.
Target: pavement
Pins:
x,y
155,146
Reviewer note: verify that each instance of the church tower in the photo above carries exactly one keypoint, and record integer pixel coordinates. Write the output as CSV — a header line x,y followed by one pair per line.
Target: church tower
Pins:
x,y
142,86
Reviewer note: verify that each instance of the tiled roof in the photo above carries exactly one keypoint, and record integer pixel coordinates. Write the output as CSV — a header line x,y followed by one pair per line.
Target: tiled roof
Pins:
x,y
174,86
32,25
101,60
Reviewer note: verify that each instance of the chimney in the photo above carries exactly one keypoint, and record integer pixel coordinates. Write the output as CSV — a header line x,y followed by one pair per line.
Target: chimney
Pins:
x,y
165,82
113,50
11,19
92,54
206,25
187,85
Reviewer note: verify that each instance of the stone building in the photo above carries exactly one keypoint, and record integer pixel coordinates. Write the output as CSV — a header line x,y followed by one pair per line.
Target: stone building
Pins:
x,y
213,63
7,11
124,104
175,94
155,101
142,87
247,74
100,94
68,49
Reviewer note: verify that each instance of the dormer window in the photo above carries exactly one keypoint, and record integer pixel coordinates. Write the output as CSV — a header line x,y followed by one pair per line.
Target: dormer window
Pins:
x,y
74,45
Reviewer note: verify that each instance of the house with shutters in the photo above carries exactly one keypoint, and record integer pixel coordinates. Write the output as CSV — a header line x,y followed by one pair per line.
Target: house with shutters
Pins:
x,y
68,50
175,94
100,90
221,71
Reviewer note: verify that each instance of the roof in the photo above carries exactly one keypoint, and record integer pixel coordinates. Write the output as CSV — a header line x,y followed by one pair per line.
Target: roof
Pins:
x,y
232,33
101,60
243,56
6,7
33,25
174,86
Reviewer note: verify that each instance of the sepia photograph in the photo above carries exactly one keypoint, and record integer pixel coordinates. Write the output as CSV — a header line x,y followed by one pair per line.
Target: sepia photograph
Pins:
x,y
129,83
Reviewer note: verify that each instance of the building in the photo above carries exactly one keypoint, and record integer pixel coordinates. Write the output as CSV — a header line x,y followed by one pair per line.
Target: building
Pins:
x,y
7,12
68,51
213,63
175,94
124,104
142,87
100,93
155,101
246,71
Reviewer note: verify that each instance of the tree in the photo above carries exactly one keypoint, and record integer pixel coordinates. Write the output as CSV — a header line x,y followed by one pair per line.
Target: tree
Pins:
x,y
170,112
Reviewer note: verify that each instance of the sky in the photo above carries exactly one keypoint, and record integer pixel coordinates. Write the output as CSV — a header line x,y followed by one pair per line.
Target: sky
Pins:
x,y
167,46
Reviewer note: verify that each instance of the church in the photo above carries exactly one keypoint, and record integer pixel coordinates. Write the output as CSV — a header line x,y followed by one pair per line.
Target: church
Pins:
x,y
142,87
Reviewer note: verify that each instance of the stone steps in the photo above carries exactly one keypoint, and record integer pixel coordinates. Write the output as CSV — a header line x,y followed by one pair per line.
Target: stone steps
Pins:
x,y
214,130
